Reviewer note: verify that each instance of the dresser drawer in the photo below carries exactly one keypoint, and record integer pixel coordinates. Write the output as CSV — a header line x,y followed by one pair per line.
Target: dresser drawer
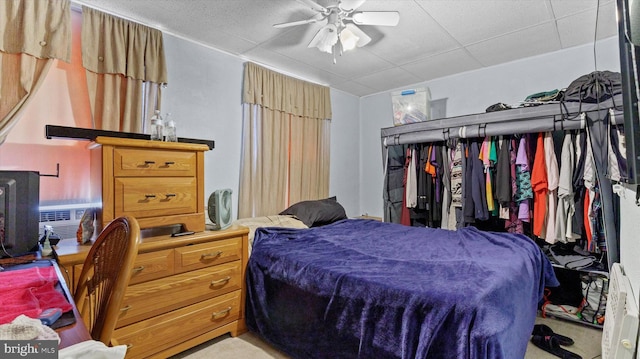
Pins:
x,y
152,265
141,162
147,299
208,254
164,331
150,197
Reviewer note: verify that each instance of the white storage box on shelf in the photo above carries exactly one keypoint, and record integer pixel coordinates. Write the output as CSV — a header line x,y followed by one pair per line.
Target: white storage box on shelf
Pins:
x,y
410,106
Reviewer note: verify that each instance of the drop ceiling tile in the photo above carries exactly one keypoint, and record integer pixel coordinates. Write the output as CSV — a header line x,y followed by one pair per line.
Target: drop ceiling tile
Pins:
x,y
293,67
391,78
562,8
417,35
442,65
471,21
354,88
517,45
586,20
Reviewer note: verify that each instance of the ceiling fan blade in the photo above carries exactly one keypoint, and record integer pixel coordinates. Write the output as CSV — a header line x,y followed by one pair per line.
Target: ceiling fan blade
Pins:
x,y
363,38
318,17
314,5
380,18
350,5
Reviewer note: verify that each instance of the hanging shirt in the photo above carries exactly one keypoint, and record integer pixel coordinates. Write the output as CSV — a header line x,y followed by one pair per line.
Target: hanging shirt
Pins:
x,y
488,158
523,178
566,210
456,218
553,173
412,182
478,187
456,175
446,185
503,174
539,185
589,177
514,223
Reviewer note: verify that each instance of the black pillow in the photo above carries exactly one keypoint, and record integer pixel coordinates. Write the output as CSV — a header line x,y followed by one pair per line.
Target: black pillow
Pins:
x,y
317,213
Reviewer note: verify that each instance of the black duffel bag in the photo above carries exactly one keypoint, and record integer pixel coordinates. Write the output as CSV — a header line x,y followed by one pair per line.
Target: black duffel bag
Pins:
x,y
595,87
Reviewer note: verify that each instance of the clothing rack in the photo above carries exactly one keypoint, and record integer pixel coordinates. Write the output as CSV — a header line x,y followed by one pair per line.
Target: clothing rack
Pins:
x,y
530,119
538,118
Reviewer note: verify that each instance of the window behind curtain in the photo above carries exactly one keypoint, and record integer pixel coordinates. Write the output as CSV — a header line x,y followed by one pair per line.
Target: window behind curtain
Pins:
x,y
62,100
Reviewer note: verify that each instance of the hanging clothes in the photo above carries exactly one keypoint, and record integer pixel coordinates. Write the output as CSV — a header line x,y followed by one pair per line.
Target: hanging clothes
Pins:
x,y
553,173
405,217
503,177
488,157
393,195
539,185
456,164
566,204
412,182
514,223
477,203
446,187
524,191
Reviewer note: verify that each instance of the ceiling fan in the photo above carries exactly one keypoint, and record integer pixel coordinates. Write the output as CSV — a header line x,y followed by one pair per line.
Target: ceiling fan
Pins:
x,y
339,18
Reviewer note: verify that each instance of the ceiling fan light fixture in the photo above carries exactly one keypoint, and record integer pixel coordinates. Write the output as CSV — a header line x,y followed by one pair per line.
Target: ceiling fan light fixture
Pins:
x,y
325,38
348,39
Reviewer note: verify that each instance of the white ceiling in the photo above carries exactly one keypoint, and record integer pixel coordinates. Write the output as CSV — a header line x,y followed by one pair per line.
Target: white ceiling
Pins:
x,y
434,38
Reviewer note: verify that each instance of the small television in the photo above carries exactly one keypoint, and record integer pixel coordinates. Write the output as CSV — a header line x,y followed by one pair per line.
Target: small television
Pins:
x,y
628,14
19,212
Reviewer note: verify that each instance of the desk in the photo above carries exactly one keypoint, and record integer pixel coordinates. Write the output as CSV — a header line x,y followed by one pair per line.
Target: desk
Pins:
x,y
70,334
76,332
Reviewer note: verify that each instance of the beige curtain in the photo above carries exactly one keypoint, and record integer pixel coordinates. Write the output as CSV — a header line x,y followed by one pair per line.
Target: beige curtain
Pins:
x,y
285,152
32,35
122,58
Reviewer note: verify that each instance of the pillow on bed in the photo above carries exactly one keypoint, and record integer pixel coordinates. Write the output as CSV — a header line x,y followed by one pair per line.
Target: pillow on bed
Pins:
x,y
317,213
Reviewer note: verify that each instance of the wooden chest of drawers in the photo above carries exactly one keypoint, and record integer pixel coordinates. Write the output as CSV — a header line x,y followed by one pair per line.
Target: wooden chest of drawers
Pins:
x,y
159,183
183,291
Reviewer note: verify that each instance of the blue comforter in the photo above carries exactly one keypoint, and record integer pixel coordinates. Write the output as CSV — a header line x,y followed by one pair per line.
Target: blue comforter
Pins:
x,y
366,289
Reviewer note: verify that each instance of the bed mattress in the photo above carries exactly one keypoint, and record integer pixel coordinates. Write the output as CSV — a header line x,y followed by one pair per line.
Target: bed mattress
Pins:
x,y
367,289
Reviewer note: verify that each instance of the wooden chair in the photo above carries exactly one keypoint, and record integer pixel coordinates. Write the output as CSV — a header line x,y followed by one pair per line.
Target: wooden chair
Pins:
x,y
105,276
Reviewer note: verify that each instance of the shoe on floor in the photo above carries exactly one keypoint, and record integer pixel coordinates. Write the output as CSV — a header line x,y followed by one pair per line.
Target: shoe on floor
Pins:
x,y
544,330
550,344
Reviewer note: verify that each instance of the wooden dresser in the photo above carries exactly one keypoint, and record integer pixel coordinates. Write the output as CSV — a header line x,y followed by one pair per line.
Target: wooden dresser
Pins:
x,y
184,290
158,183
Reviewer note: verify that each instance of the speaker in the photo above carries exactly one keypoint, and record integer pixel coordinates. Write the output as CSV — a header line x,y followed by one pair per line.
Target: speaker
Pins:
x,y
220,208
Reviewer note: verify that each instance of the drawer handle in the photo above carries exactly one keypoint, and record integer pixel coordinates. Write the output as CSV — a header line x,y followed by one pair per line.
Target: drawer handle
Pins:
x,y
147,196
124,309
169,195
169,163
219,281
221,313
149,162
211,255
138,269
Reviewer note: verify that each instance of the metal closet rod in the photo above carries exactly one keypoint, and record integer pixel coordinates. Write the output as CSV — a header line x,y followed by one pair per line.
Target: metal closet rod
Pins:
x,y
475,126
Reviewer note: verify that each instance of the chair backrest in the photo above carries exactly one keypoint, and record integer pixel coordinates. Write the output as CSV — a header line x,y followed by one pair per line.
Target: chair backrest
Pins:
x,y
105,276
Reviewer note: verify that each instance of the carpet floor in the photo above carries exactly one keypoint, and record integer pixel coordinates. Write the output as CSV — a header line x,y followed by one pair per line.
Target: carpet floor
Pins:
x,y
249,345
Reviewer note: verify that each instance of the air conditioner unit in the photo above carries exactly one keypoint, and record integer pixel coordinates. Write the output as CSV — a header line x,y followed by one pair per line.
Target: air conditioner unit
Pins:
x,y
620,332
63,218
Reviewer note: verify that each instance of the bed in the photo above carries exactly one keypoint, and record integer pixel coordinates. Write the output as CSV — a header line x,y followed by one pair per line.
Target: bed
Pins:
x,y
360,288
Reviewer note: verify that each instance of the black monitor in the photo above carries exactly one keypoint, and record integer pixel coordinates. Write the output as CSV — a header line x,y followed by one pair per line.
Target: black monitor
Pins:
x,y
19,212
629,44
